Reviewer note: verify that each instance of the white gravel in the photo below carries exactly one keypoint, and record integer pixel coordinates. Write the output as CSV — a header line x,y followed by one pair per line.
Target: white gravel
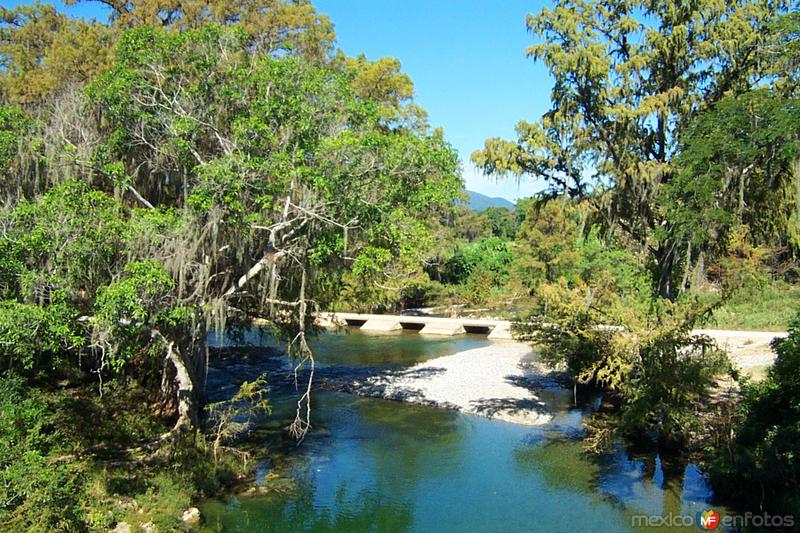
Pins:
x,y
491,382
747,349
486,381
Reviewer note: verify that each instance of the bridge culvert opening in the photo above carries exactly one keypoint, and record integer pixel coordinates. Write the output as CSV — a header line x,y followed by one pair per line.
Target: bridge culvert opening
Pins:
x,y
415,326
483,330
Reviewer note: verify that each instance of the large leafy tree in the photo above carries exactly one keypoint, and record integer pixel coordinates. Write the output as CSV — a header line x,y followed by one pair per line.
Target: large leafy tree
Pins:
x,y
43,51
737,170
273,26
245,184
628,78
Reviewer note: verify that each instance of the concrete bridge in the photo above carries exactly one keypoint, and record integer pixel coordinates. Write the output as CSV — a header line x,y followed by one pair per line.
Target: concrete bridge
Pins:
x,y
425,325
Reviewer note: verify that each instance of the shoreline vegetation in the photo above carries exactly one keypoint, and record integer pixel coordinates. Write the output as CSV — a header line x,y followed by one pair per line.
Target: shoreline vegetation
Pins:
x,y
179,172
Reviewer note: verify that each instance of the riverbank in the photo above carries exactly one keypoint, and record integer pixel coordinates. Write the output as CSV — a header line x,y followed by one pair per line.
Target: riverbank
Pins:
x,y
503,381
750,351
488,381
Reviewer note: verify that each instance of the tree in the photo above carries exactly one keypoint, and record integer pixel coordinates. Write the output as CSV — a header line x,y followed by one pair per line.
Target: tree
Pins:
x,y
43,51
548,239
383,82
490,255
736,171
628,79
242,186
502,221
652,366
273,27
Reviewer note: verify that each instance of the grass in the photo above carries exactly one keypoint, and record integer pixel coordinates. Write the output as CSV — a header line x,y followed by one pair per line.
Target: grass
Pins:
x,y
767,307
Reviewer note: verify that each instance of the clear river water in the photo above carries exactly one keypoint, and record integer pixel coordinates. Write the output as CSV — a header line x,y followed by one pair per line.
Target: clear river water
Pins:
x,y
376,465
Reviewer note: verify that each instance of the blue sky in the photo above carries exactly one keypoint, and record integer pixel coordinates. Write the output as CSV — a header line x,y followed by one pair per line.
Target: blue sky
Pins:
x,y
466,57
467,60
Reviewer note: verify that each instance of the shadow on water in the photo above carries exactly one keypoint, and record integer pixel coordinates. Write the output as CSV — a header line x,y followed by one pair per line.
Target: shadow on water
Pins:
x,y
358,470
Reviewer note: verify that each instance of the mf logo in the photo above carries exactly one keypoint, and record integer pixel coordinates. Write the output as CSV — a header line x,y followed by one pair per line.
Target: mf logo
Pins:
x,y
708,520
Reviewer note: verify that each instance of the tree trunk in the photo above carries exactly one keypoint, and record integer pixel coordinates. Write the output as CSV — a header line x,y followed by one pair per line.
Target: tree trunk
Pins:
x,y
187,406
665,260
687,267
796,169
740,211
186,392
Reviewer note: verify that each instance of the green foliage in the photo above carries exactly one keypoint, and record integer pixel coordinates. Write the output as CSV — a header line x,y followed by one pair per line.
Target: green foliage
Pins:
x,y
567,333
37,493
137,296
276,27
165,500
51,483
176,181
557,245
128,309
273,138
233,417
760,466
503,222
426,293
657,369
13,124
674,374
479,285
42,51
736,167
604,262
621,99
34,338
548,239
758,306
383,82
490,255
69,239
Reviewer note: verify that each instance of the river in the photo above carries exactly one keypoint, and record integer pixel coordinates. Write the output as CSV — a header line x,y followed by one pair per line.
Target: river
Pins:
x,y
376,465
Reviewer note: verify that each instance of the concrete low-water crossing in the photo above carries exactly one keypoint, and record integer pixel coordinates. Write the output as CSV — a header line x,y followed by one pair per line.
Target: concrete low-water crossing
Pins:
x,y
424,324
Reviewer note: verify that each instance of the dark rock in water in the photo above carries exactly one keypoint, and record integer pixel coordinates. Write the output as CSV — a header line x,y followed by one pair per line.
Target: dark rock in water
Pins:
x,y
231,366
242,354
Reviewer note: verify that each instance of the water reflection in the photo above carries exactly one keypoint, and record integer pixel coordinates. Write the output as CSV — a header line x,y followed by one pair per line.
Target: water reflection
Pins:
x,y
364,512
354,348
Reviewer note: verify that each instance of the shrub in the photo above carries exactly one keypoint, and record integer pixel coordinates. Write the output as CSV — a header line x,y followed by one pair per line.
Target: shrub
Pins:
x,y
493,255
658,371
37,492
760,466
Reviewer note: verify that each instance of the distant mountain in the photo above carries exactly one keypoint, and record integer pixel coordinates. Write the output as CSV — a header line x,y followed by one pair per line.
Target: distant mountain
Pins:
x,y
478,202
